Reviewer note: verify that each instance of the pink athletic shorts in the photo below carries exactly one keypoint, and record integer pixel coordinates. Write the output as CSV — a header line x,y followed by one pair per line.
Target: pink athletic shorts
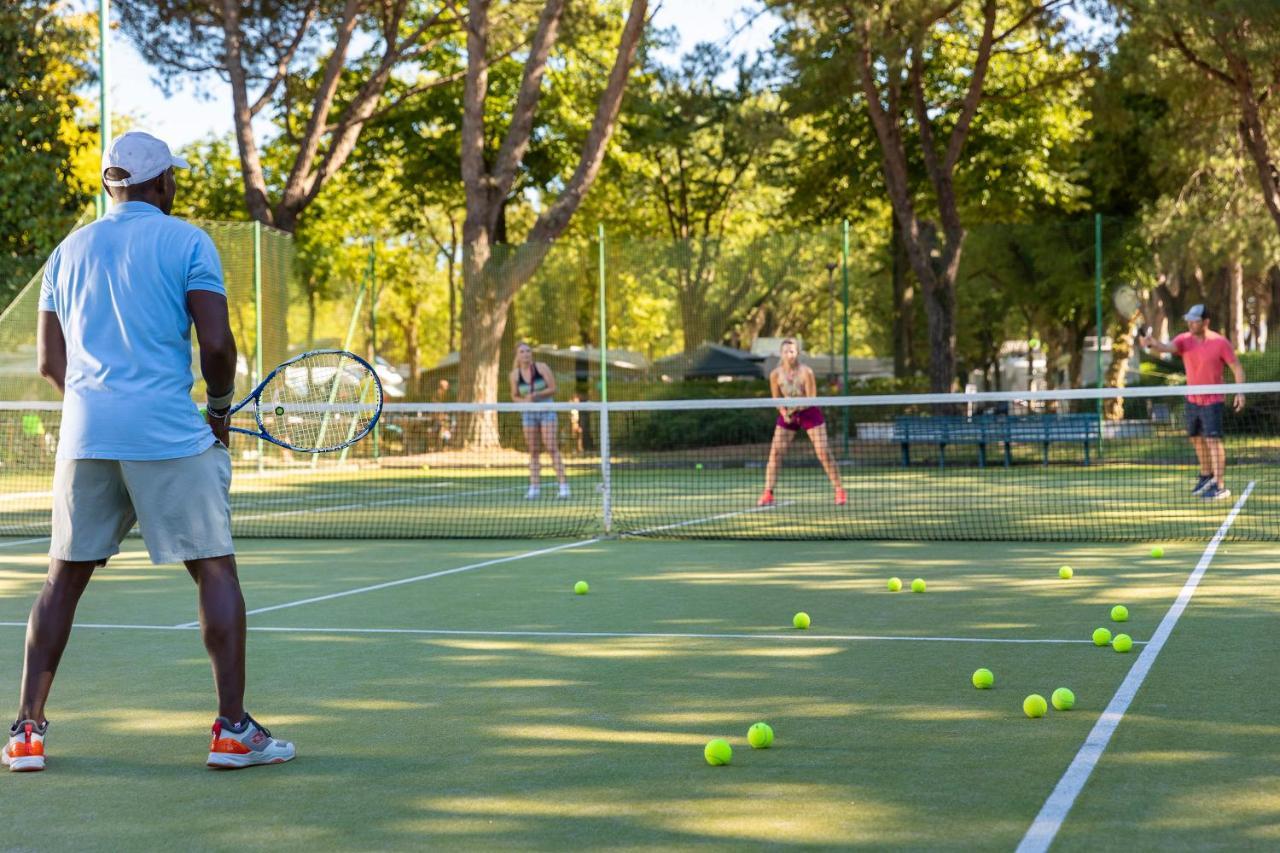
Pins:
x,y
805,419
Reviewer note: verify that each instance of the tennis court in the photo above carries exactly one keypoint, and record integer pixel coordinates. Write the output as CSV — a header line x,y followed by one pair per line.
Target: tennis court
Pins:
x,y
457,694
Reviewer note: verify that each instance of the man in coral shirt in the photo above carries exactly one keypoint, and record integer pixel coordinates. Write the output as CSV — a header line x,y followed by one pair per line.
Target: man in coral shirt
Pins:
x,y
1205,354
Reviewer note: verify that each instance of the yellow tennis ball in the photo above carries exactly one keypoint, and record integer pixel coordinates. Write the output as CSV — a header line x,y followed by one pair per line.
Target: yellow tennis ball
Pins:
x,y
1065,573
760,736
581,588
1119,613
1122,643
1157,552
983,679
895,584
717,752
1063,699
917,585
1034,706
1101,637
800,620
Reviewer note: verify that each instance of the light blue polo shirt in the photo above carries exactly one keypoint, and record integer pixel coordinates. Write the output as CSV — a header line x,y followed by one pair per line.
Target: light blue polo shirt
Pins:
x,y
119,287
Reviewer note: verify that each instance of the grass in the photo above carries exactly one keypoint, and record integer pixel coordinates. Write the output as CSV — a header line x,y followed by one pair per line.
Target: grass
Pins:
x,y
521,715
1059,502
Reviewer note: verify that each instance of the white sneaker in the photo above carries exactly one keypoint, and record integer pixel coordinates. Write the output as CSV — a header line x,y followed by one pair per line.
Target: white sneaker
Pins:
x,y
533,494
564,490
25,750
245,745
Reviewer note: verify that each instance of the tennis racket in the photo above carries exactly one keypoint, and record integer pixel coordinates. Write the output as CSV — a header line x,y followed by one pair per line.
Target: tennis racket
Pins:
x,y
317,402
1129,304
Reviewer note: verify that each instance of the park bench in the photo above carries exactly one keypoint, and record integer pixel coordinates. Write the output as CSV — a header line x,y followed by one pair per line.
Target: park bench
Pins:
x,y
982,430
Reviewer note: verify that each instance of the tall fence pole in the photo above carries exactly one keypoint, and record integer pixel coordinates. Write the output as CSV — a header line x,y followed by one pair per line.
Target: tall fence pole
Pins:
x,y
844,274
605,469
373,324
104,104
1097,301
257,322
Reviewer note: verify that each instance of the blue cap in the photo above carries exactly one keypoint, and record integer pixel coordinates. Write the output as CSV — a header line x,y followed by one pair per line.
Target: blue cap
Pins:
x,y
1197,312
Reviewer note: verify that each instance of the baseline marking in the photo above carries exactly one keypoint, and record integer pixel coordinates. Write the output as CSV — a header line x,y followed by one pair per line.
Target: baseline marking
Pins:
x,y
586,635
402,581
1054,811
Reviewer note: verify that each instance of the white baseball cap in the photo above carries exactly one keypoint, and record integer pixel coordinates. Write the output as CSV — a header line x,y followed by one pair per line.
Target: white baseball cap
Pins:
x,y
141,155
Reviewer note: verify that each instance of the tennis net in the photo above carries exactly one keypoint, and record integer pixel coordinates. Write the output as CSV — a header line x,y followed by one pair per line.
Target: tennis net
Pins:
x,y
1082,465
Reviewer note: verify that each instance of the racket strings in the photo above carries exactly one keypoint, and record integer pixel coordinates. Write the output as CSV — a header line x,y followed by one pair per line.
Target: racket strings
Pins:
x,y
323,401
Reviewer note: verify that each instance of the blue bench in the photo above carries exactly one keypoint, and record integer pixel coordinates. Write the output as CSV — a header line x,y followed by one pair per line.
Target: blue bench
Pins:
x,y
982,430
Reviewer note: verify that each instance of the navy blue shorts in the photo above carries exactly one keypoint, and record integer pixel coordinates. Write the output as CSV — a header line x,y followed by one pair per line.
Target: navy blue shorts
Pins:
x,y
1205,421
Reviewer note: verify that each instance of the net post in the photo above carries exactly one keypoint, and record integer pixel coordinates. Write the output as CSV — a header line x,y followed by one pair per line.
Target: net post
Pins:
x,y
844,300
373,321
606,507
1097,305
104,105
257,321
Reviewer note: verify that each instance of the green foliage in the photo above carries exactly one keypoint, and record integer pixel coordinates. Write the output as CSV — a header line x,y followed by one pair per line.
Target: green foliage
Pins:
x,y
43,188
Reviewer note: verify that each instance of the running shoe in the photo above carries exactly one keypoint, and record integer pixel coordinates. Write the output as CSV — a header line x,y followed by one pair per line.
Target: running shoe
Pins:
x,y
1215,493
564,491
766,499
841,497
533,494
25,750
1202,483
244,745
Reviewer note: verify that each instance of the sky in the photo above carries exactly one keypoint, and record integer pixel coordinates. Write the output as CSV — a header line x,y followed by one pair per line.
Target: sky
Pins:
x,y
187,116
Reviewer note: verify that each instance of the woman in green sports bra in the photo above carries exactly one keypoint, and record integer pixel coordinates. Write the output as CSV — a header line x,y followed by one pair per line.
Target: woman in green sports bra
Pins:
x,y
533,382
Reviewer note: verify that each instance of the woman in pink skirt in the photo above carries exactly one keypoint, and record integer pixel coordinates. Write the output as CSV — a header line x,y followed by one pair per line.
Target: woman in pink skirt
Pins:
x,y
793,379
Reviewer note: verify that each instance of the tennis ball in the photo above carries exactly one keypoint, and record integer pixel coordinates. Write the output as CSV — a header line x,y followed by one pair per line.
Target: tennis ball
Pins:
x,y
1063,699
717,752
895,584
581,588
1034,706
917,585
983,679
1122,643
760,736
800,620
1119,613
1065,573
698,467
1157,552
1101,637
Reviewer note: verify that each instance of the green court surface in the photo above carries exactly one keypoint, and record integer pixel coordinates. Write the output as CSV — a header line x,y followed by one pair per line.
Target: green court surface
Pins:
x,y
489,707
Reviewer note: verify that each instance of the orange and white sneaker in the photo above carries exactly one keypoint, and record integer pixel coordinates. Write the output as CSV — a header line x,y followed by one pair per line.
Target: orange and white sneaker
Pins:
x,y
25,750
766,499
245,744
841,497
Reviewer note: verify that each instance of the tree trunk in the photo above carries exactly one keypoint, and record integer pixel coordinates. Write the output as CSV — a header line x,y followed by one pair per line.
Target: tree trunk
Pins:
x,y
1273,306
1234,316
904,307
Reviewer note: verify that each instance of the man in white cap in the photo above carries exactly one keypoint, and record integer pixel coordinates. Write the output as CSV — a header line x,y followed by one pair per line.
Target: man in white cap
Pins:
x,y
1205,356
117,303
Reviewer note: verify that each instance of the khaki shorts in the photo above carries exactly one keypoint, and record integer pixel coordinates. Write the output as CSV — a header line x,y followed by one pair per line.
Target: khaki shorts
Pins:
x,y
181,505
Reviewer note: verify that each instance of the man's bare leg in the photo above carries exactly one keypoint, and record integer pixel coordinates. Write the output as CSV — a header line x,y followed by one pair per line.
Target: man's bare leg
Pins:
x,y
222,625
48,629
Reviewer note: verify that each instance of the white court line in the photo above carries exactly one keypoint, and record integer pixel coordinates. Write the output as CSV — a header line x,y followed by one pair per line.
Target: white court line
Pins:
x,y
642,635
1054,811
709,518
402,581
417,499
15,543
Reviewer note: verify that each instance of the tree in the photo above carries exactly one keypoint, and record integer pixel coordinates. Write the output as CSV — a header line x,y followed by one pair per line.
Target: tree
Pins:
x,y
299,58
923,71
46,180
1235,45
491,279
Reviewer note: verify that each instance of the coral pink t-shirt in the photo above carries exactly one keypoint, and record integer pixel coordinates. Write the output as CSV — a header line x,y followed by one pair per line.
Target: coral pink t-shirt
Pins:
x,y
1204,360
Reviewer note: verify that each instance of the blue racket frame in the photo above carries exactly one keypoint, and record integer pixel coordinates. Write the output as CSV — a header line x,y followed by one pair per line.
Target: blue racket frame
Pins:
x,y
255,395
